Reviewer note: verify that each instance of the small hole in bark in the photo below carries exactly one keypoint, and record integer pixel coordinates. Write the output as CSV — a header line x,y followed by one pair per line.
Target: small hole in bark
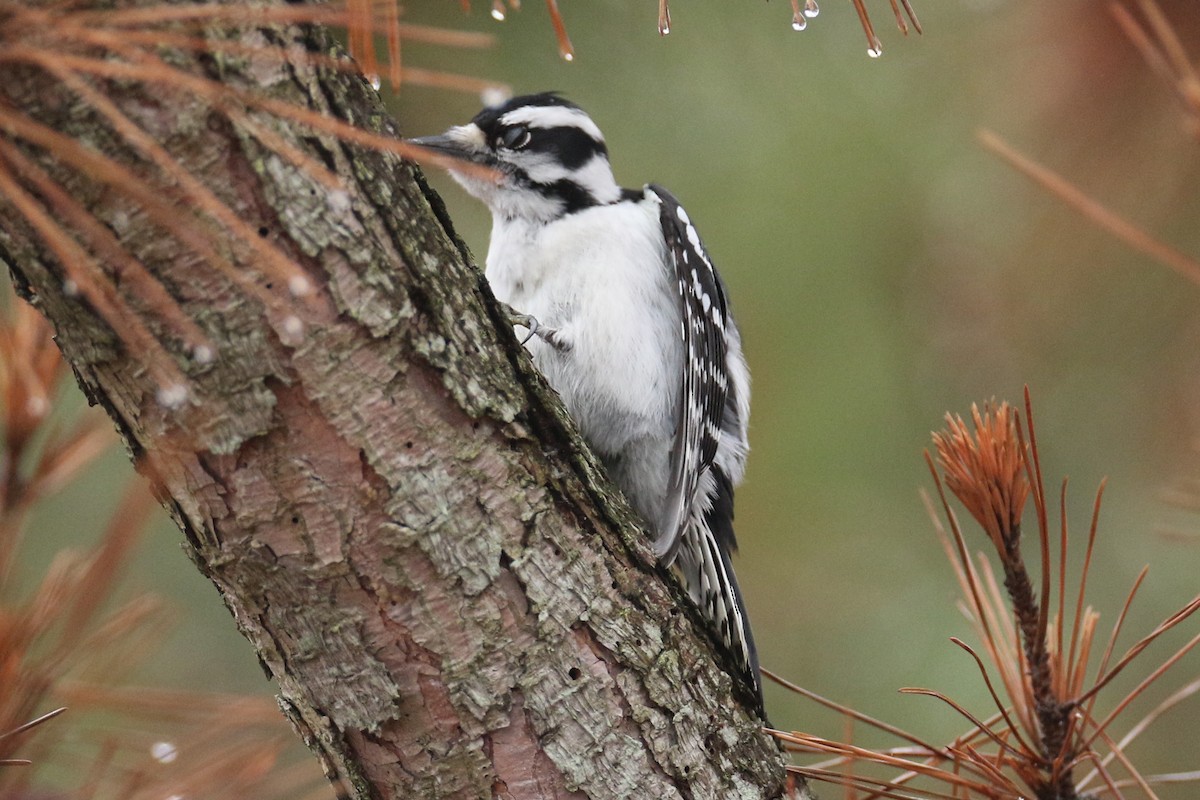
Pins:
x,y
295,520
270,285
408,445
263,231
574,673
475,425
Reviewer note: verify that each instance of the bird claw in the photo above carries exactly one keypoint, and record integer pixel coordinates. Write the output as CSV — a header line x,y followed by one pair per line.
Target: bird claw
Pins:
x,y
527,321
547,334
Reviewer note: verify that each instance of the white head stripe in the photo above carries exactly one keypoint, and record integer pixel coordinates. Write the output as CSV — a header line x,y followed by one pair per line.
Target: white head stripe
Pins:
x,y
553,117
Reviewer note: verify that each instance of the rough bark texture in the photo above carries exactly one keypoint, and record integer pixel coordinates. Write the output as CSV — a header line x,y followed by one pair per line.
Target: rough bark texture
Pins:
x,y
392,505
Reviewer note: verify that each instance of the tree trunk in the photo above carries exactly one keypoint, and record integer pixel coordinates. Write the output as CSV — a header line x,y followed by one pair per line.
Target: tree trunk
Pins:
x,y
396,510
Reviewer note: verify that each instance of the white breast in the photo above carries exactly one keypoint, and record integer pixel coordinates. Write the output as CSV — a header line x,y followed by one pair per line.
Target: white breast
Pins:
x,y
600,276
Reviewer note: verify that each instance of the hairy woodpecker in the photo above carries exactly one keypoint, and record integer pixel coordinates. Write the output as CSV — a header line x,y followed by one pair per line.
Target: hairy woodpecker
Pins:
x,y
630,325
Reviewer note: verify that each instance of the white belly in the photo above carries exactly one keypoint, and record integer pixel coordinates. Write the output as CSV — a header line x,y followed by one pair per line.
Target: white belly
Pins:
x,y
613,299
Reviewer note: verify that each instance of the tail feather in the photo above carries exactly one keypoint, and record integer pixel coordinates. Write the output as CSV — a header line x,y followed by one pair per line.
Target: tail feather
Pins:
x,y
709,579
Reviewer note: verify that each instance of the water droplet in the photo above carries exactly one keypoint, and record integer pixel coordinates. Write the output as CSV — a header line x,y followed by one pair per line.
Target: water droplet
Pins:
x,y
36,406
203,354
293,329
171,396
338,201
493,96
299,286
164,752
664,29
810,8
498,12
70,288
568,56
875,50
119,222
799,23
375,82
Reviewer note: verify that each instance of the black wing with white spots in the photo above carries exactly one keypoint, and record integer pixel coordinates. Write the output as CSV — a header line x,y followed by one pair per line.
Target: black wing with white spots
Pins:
x,y
698,528
703,313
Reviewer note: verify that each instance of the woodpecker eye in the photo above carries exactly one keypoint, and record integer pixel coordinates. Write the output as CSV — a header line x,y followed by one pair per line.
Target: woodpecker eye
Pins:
x,y
514,138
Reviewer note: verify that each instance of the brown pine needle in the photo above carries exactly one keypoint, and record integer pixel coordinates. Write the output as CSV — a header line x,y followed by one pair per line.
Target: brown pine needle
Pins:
x,y
874,46
877,788
849,712
912,15
1098,214
33,723
1083,579
565,49
1059,618
988,732
984,729
208,13
1076,675
436,79
64,458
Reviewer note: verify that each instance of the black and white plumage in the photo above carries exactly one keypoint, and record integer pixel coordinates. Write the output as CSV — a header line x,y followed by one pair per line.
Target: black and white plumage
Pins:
x,y
632,329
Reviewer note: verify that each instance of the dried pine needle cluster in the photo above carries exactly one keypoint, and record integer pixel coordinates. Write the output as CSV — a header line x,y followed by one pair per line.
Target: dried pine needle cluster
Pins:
x,y
985,469
67,639
1046,737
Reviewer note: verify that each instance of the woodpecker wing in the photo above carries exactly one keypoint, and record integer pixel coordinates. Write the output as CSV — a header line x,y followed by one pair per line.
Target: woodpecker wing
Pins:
x,y
703,315
698,527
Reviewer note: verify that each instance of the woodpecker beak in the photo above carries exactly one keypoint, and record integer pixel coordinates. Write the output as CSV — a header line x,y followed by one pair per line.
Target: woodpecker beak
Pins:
x,y
460,143
442,144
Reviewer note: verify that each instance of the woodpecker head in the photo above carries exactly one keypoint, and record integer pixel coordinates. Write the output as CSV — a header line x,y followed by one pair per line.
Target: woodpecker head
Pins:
x,y
547,156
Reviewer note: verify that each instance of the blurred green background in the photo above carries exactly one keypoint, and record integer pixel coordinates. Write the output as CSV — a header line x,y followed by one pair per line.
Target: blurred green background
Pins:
x,y
885,269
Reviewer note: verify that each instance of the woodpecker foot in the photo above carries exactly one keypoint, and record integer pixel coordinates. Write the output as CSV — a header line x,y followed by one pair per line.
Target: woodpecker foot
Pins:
x,y
551,336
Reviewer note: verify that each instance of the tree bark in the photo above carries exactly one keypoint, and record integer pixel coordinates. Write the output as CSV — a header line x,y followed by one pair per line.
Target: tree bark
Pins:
x,y
394,507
